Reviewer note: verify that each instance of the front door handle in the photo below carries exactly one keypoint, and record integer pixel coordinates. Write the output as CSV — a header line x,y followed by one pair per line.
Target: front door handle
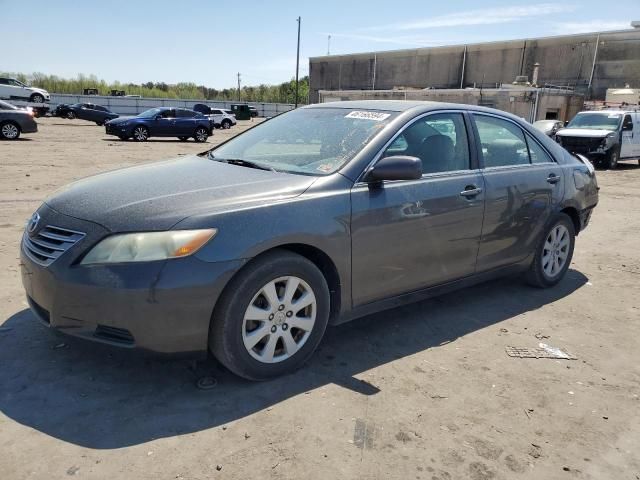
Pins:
x,y
553,178
471,191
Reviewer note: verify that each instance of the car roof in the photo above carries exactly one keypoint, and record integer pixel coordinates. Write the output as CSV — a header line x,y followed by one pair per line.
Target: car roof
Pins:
x,y
607,112
406,105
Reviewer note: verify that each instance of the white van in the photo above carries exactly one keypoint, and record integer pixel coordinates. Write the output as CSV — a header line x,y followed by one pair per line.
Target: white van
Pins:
x,y
12,89
603,136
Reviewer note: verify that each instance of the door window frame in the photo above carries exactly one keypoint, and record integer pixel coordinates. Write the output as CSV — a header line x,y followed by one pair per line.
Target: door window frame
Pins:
x,y
524,131
471,144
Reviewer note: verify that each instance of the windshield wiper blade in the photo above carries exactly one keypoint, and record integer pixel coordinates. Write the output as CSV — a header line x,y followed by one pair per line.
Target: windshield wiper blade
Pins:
x,y
242,163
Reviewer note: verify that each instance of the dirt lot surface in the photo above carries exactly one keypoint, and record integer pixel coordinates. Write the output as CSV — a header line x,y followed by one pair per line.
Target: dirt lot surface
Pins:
x,y
420,392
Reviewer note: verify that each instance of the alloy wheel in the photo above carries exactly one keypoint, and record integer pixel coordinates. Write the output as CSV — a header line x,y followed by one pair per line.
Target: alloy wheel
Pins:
x,y
201,135
140,134
10,131
555,250
279,319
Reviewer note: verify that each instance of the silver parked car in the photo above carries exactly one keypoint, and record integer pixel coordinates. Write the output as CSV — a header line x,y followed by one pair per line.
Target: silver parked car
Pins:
x,y
548,127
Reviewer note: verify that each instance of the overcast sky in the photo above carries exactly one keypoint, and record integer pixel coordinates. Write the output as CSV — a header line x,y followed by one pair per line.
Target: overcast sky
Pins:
x,y
207,42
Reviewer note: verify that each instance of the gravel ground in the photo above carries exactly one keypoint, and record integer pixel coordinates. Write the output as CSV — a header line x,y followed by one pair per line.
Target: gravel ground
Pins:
x,y
424,391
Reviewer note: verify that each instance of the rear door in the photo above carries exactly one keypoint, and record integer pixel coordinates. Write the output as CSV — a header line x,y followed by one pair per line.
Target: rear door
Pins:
x,y
408,235
523,184
185,122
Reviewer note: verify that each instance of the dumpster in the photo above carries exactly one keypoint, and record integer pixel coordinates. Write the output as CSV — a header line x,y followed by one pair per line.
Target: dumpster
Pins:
x,y
241,111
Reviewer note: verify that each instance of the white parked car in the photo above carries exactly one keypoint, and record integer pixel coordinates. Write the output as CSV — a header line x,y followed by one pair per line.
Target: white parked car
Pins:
x,y
12,89
222,118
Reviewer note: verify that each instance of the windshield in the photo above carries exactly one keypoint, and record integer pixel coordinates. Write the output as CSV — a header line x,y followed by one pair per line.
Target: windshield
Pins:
x,y
7,106
151,113
308,141
596,121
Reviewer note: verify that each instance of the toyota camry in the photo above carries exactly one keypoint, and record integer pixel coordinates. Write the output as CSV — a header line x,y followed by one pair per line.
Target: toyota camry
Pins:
x,y
312,218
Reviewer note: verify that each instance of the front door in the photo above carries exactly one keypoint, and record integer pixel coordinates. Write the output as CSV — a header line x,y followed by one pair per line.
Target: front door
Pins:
x,y
523,184
408,235
165,125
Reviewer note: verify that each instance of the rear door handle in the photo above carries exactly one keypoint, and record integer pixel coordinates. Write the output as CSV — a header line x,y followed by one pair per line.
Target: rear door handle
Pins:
x,y
471,191
553,178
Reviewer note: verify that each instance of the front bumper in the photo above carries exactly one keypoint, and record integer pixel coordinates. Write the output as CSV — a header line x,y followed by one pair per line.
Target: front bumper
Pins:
x,y
118,130
162,306
29,126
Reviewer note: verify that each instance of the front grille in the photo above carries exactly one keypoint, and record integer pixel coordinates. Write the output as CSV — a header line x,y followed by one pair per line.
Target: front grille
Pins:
x,y
580,144
114,334
49,243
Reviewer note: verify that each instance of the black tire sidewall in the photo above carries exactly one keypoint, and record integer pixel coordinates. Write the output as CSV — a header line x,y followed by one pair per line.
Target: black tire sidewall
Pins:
x,y
537,275
225,338
614,151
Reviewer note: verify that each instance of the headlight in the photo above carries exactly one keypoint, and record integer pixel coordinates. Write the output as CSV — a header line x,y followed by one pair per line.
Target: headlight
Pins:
x,y
149,246
609,139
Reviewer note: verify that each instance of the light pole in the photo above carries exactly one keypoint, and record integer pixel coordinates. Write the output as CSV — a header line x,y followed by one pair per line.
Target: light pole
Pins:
x,y
298,62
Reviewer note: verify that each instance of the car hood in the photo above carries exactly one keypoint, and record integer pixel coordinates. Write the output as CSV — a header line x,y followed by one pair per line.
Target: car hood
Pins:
x,y
583,132
118,120
156,196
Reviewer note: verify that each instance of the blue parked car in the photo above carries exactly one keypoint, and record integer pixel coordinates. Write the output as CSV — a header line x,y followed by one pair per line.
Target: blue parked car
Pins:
x,y
162,122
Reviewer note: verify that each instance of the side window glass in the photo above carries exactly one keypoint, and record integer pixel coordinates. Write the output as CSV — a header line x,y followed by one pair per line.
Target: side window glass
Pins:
x,y
536,152
168,114
439,141
503,143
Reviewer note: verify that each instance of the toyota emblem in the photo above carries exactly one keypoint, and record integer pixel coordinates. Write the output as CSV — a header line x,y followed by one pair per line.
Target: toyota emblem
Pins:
x,y
33,222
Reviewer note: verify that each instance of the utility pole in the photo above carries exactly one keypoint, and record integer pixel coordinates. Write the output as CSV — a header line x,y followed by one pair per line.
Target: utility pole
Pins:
x,y
298,62
238,86
328,44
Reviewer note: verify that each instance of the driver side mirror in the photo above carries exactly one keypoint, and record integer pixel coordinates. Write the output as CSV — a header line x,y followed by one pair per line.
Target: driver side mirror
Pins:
x,y
627,127
397,167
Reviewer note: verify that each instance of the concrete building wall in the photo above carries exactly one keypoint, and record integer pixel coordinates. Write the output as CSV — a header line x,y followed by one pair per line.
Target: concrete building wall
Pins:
x,y
565,61
519,101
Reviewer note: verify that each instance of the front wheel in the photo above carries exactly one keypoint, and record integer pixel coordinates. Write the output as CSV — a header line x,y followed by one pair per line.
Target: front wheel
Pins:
x,y
140,134
271,317
226,124
612,159
553,254
36,98
9,131
201,134
71,115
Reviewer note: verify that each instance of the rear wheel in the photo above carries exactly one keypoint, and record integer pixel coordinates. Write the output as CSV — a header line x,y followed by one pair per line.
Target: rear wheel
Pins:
x,y
9,131
201,134
141,134
71,115
271,317
554,253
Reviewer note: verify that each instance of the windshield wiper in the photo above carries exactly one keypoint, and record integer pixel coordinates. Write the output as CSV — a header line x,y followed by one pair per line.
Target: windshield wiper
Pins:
x,y
242,163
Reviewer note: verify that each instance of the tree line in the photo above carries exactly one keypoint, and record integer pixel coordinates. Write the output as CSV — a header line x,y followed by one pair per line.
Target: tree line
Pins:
x,y
281,93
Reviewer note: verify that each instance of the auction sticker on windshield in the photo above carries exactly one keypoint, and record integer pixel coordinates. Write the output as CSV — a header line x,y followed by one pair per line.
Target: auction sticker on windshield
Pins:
x,y
375,116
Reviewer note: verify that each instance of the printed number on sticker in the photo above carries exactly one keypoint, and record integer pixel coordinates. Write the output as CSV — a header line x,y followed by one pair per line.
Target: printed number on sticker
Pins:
x,y
375,116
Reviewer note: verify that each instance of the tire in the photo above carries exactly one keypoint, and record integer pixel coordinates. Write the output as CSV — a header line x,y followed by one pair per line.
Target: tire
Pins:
x,y
36,98
551,254
230,327
141,133
612,159
226,124
70,115
201,134
9,131
183,139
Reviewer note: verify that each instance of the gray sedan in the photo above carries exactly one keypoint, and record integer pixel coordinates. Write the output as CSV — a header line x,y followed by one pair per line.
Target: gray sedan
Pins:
x,y
312,218
14,121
